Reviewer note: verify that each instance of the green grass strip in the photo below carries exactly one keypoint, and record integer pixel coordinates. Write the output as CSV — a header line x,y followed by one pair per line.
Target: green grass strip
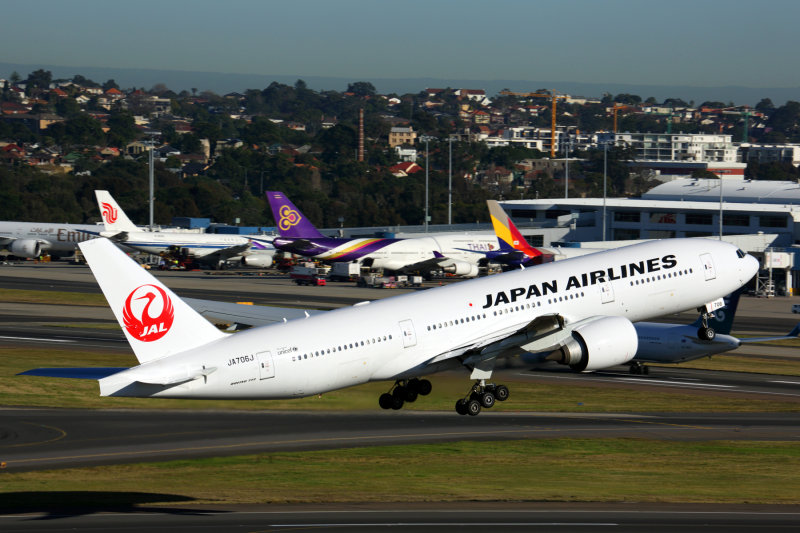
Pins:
x,y
573,470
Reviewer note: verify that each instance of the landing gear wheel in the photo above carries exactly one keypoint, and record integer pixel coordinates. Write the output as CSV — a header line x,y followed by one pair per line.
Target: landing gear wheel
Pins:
x,y
706,334
501,393
411,395
386,401
473,407
487,400
461,407
424,387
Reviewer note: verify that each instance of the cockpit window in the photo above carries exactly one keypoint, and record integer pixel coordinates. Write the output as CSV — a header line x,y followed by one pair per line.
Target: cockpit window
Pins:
x,y
740,253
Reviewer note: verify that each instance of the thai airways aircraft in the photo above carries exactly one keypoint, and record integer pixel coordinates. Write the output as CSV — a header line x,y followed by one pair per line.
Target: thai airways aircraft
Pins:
x,y
514,248
211,248
32,239
456,254
579,309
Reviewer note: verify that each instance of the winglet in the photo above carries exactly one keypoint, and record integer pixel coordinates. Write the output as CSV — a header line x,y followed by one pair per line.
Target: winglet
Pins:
x,y
114,217
291,222
155,321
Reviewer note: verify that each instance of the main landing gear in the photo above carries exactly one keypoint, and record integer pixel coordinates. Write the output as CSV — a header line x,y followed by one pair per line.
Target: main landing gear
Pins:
x,y
481,396
404,391
639,368
704,332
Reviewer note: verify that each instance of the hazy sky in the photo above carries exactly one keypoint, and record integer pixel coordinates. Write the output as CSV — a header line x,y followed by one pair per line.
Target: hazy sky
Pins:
x,y
688,42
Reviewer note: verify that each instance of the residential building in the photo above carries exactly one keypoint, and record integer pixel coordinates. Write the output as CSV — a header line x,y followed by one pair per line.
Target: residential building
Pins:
x,y
402,135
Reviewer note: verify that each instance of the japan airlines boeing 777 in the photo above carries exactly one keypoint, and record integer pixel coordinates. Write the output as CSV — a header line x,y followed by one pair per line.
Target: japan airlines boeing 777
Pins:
x,y
456,254
581,309
212,248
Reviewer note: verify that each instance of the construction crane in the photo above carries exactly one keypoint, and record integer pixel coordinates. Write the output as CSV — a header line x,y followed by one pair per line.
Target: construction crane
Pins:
x,y
552,94
618,107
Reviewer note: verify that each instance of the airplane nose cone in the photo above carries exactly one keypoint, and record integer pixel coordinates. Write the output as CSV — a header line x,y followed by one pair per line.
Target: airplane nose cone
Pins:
x,y
750,267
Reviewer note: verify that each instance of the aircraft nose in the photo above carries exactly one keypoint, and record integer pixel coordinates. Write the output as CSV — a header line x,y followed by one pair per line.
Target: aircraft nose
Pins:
x,y
750,267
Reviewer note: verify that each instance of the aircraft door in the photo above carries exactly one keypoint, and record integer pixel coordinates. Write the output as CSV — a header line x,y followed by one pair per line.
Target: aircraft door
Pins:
x,y
266,367
409,337
708,266
606,292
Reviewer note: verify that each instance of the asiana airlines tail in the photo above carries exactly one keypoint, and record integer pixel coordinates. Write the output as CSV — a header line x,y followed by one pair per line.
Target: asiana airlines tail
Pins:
x,y
579,310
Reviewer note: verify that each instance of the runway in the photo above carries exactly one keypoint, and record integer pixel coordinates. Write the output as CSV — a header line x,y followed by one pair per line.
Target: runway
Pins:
x,y
33,439
416,518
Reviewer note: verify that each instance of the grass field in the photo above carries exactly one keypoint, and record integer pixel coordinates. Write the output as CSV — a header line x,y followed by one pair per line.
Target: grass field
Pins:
x,y
609,470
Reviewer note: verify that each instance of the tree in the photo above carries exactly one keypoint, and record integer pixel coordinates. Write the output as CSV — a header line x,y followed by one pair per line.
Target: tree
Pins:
x,y
110,84
122,128
361,88
38,80
765,106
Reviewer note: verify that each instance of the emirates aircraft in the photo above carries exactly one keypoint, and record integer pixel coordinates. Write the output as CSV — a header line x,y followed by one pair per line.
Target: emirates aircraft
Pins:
x,y
580,310
212,248
32,239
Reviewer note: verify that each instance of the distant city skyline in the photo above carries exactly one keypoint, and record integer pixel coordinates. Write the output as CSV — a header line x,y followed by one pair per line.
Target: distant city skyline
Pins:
x,y
635,42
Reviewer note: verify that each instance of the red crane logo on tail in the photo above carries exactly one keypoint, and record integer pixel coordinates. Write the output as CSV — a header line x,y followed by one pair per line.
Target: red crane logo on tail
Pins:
x,y
138,319
109,213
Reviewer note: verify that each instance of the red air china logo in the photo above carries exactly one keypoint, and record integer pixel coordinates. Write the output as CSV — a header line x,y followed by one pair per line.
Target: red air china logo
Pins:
x,y
141,306
109,213
288,217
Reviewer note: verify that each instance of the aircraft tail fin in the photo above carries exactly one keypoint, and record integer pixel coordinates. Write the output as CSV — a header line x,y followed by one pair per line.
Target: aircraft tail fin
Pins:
x,y
507,233
291,222
155,321
114,217
723,318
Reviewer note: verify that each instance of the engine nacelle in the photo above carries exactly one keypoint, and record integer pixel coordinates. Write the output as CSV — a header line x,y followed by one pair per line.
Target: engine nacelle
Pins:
x,y
601,343
461,268
257,260
29,248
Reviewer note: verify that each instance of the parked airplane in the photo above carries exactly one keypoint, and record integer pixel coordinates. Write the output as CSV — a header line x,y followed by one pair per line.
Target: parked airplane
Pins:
x,y
32,239
675,343
580,309
514,248
456,254
210,248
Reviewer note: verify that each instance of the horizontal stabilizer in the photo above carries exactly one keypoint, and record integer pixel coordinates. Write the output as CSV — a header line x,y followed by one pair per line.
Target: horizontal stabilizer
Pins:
x,y
73,373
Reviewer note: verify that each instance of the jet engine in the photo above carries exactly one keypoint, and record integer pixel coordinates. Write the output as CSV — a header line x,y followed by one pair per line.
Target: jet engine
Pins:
x,y
461,268
29,248
600,343
257,260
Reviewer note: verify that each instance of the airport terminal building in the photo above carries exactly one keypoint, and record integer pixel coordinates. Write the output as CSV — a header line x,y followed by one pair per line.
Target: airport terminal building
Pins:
x,y
756,215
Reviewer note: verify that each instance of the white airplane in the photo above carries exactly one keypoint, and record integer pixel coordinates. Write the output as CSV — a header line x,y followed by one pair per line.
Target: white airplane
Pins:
x,y
32,239
210,248
454,253
580,309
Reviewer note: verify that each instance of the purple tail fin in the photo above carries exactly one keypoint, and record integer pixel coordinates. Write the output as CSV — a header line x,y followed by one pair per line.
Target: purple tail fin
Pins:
x,y
291,222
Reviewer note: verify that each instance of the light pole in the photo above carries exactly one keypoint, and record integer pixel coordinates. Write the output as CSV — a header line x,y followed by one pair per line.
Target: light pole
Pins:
x,y
605,177
567,144
152,181
426,184
720,208
450,186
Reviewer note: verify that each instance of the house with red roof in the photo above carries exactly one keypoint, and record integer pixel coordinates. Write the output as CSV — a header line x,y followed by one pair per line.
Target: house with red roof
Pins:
x,y
402,170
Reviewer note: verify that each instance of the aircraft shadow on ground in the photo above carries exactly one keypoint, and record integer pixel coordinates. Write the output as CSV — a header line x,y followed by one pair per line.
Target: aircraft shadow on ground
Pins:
x,y
57,504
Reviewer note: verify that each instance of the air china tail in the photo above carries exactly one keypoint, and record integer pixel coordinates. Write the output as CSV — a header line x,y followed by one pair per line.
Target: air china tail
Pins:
x,y
114,217
291,222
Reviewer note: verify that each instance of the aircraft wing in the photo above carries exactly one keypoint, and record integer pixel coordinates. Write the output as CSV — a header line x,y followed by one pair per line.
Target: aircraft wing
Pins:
x,y
245,314
589,344
791,335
